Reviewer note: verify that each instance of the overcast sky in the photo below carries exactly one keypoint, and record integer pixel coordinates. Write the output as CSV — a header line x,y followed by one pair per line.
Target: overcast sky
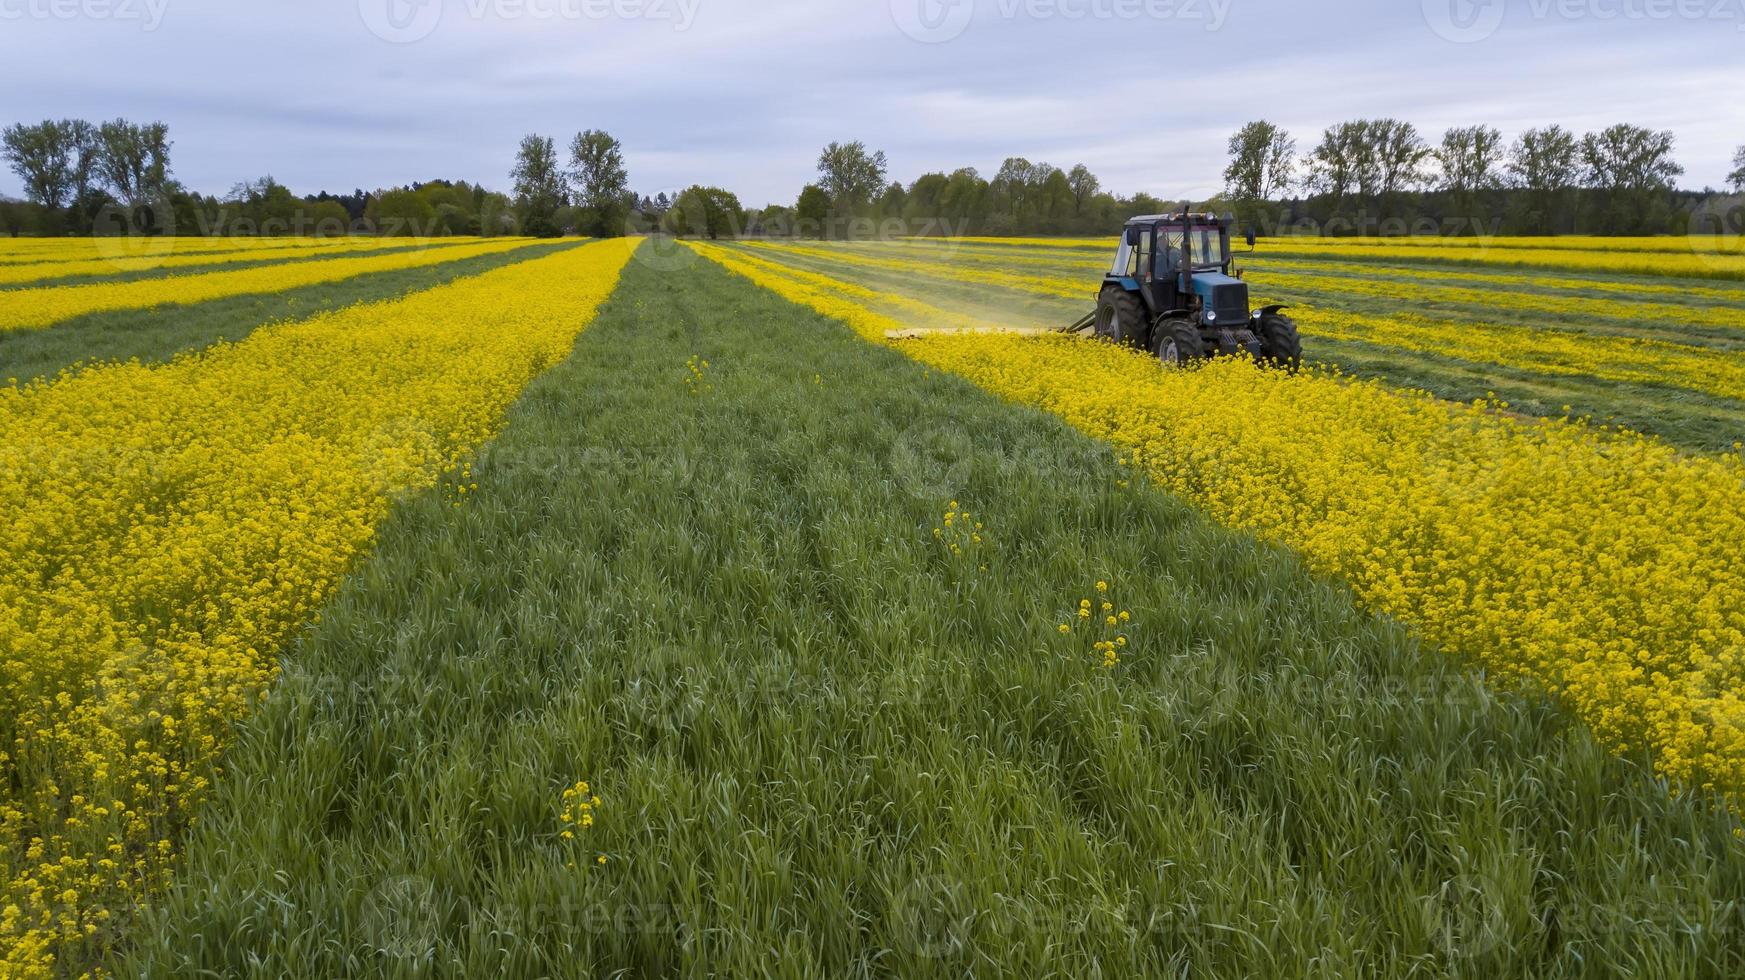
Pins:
x,y
337,94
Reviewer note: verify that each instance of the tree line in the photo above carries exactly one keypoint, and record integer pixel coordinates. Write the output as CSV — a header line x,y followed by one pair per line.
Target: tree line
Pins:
x,y
1361,177
1371,175
854,197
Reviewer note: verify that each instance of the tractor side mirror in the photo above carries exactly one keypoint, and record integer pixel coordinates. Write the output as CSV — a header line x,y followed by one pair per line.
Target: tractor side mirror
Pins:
x,y
1136,235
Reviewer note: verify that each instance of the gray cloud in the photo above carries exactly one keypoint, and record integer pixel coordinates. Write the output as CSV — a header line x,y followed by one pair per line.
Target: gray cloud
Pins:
x,y
744,92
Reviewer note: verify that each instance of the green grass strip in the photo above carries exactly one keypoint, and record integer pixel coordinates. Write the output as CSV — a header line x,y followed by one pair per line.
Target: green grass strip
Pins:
x,y
826,746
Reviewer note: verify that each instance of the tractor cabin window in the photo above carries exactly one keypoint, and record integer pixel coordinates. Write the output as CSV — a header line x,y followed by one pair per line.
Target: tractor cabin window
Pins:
x,y
1171,244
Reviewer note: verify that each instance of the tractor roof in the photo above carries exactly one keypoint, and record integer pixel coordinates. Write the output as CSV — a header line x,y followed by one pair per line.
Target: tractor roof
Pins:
x,y
1152,219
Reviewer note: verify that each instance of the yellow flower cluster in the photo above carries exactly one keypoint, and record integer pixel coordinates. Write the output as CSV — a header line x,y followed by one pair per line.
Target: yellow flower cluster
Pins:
x,y
695,379
168,527
1604,565
579,804
962,535
23,309
1100,622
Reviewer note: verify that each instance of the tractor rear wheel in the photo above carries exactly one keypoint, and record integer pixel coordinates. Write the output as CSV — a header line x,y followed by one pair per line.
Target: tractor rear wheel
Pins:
x,y
1120,317
1280,345
1178,343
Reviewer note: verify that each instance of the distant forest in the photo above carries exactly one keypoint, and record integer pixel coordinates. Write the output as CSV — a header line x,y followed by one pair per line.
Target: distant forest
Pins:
x,y
1363,177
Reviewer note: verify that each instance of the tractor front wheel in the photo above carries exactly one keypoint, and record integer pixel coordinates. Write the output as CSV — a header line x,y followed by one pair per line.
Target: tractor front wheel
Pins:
x,y
1280,345
1178,343
1119,317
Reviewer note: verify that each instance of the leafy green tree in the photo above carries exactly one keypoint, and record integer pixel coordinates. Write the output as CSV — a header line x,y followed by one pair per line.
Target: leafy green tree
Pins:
x,y
1084,186
133,160
1544,167
539,186
496,214
1736,179
328,218
1471,159
891,202
43,157
812,211
1054,200
1400,156
1629,158
707,211
403,212
1546,159
1012,184
851,176
597,168
1261,158
1632,170
1342,163
966,200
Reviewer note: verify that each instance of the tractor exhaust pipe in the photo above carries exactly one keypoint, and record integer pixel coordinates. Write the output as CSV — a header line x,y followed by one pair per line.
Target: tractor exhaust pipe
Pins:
x,y
1187,272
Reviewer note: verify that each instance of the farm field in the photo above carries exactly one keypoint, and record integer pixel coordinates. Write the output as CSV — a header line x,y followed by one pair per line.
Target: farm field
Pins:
x,y
1654,353
520,608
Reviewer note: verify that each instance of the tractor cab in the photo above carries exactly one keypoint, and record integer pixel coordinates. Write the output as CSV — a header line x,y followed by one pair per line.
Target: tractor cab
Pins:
x,y
1172,290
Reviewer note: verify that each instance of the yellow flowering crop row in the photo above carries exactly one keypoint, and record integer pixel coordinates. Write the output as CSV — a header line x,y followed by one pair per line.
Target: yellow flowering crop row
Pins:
x,y
1511,280
1693,258
26,250
1604,566
1545,351
1407,294
167,527
107,266
48,305
1695,265
1695,244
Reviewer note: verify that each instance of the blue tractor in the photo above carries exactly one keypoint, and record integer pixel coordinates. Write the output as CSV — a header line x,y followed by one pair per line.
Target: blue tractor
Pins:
x,y
1171,291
